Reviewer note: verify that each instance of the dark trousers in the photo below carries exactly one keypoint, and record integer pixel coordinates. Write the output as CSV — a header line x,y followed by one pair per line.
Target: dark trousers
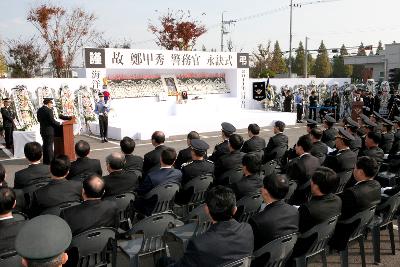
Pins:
x,y
103,123
8,136
312,113
48,151
299,111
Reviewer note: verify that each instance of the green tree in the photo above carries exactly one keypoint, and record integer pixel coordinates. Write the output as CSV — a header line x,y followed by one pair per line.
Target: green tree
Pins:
x,y
260,60
3,65
310,64
379,49
340,70
359,69
298,66
323,66
278,64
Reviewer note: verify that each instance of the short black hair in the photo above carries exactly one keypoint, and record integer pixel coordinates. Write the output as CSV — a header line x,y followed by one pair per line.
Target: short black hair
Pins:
x,y
277,185
33,151
254,128
7,199
221,201
316,133
60,165
236,141
82,148
374,136
2,173
193,135
252,161
116,160
93,188
158,137
305,142
168,156
280,125
326,179
368,165
127,145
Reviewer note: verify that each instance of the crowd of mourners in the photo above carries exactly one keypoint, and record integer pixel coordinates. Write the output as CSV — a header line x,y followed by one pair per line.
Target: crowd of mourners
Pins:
x,y
304,189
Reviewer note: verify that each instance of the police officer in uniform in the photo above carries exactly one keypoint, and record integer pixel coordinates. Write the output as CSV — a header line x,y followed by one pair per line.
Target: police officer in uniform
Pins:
x,y
102,110
8,122
291,153
352,127
311,124
387,136
396,144
223,147
329,135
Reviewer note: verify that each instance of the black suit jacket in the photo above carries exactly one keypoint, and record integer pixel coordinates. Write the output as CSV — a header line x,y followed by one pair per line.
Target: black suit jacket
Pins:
x,y
328,137
254,144
387,142
375,153
248,186
81,168
151,160
119,182
220,150
33,174
91,214
9,229
195,169
276,147
8,117
341,161
396,144
133,162
319,150
48,124
184,155
224,242
227,162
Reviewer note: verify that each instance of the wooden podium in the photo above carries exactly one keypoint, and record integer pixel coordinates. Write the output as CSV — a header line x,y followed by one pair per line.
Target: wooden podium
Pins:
x,y
64,144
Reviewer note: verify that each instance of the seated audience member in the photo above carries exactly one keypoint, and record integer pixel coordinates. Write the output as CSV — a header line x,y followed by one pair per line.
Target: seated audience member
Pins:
x,y
151,160
311,124
226,240
232,160
83,166
373,150
118,181
301,169
9,227
223,147
328,137
352,127
387,136
255,143
277,219
36,172
323,206
166,174
132,162
342,159
363,195
185,155
277,144
396,143
42,242
251,182
318,149
59,190
93,212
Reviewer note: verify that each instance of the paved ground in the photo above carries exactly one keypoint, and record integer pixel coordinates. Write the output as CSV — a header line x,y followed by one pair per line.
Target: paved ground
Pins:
x,y
101,150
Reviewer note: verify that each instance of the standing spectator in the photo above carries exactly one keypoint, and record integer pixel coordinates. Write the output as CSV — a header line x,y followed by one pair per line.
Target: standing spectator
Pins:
x,y
102,109
335,102
313,100
287,102
299,105
8,122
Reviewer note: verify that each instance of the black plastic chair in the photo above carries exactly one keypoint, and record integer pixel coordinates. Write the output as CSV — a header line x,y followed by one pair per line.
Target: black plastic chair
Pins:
x,y
322,233
230,177
387,211
268,168
19,216
28,194
10,258
362,219
165,194
292,188
152,229
56,210
277,251
245,262
247,207
123,202
96,247
344,177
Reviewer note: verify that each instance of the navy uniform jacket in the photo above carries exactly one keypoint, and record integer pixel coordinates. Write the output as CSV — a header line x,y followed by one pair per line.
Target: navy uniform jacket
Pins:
x,y
195,169
33,174
184,155
158,177
222,243
396,143
328,137
356,144
375,153
8,117
387,142
220,150
254,144
227,162
276,147
248,186
341,161
119,182
9,229
81,168
133,162
151,160
319,150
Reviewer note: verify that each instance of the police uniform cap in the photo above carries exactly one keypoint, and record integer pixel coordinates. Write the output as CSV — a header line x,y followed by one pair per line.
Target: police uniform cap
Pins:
x,y
342,133
311,122
228,128
396,118
330,119
387,122
352,123
47,100
42,238
369,123
199,145
101,95
377,115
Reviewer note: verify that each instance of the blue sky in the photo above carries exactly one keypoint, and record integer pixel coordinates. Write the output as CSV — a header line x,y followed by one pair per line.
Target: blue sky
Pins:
x,y
342,21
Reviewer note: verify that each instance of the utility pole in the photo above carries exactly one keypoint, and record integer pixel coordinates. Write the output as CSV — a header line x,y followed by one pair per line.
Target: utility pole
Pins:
x,y
306,59
223,30
291,36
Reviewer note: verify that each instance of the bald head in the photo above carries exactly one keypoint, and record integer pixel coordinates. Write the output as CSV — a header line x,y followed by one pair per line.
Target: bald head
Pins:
x,y
158,138
93,187
115,161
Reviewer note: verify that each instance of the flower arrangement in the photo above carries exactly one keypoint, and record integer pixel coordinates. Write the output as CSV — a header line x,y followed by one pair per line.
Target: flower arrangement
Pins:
x,y
65,103
85,103
24,109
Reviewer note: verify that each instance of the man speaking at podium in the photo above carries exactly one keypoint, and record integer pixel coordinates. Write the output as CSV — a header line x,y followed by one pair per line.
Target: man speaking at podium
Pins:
x,y
48,126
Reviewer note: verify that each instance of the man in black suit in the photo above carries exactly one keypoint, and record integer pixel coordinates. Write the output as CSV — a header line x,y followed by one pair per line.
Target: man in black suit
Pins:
x,y
277,144
352,127
226,240
255,143
318,149
36,172
83,166
185,155
223,147
8,122
59,190
328,137
387,136
277,219
9,227
232,160
251,182
363,195
373,150
166,174
118,181
301,169
342,159
132,162
152,159
48,126
93,212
